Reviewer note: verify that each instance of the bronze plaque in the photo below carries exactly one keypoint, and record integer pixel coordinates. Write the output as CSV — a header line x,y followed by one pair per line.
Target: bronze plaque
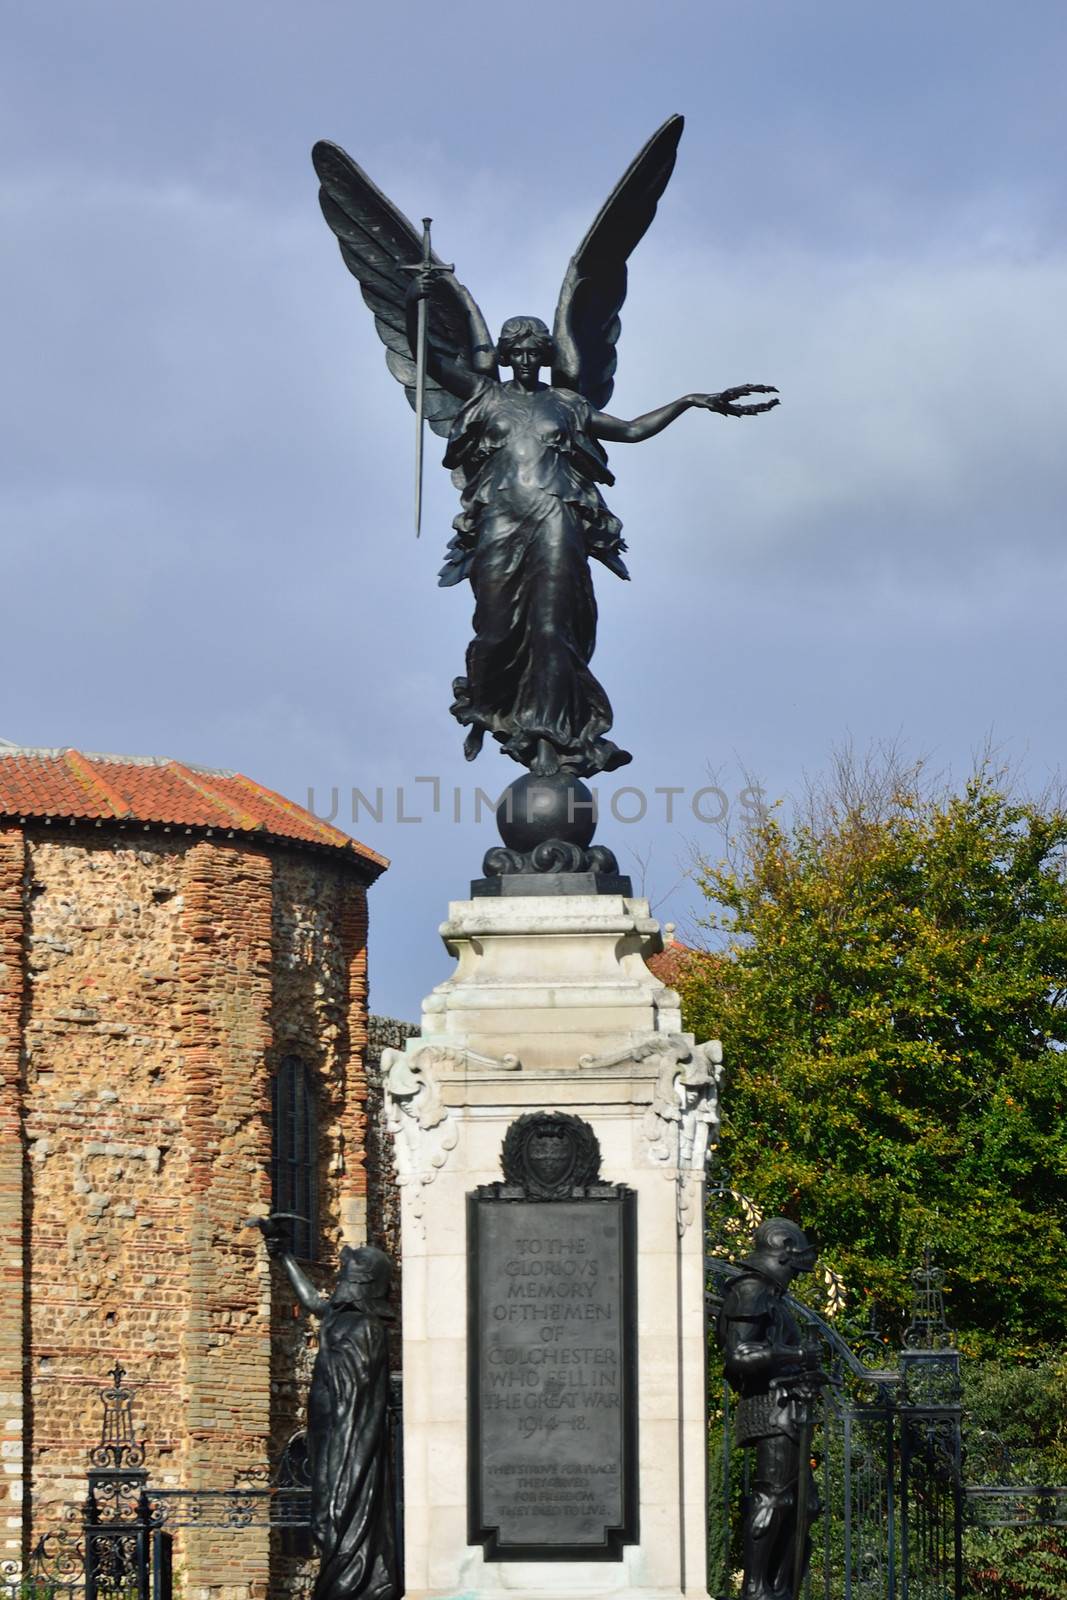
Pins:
x,y
552,1339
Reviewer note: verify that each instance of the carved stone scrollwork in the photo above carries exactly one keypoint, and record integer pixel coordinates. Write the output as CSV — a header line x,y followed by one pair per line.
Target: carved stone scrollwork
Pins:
x,y
422,1127
681,1126
654,1045
682,1123
465,1059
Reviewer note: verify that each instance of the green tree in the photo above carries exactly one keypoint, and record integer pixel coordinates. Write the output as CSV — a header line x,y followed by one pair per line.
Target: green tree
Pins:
x,y
889,980
1016,1432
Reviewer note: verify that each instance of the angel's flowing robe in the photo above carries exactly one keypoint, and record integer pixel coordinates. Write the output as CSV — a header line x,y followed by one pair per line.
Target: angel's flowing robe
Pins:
x,y
352,1519
528,466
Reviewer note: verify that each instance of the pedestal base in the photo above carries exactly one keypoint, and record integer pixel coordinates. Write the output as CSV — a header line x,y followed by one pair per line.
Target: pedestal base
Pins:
x,y
551,1006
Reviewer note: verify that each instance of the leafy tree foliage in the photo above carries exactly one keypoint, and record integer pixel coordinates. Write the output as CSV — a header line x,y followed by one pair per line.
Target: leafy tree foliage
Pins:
x,y
1016,1417
890,985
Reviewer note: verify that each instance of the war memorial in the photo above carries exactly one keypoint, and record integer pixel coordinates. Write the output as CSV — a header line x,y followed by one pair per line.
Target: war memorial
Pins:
x,y
552,1120
596,1401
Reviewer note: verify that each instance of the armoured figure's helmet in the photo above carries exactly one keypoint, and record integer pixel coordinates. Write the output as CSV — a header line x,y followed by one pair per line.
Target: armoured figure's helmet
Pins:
x,y
366,1274
781,1250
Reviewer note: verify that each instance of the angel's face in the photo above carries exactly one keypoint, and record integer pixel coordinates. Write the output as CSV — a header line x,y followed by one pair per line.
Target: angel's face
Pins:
x,y
526,359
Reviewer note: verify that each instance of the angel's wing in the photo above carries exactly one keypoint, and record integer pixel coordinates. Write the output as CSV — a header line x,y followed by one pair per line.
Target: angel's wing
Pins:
x,y
587,317
377,242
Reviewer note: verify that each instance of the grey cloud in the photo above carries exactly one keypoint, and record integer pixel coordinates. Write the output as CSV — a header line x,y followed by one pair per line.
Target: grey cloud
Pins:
x,y
207,469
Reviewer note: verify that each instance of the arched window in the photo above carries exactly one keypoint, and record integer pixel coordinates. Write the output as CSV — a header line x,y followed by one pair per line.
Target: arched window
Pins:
x,y
294,1185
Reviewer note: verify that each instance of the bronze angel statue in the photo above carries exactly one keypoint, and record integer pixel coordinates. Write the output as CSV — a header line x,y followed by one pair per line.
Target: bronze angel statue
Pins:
x,y
527,457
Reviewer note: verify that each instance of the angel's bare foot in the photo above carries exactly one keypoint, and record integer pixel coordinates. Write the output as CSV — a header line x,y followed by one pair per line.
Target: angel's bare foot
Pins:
x,y
546,761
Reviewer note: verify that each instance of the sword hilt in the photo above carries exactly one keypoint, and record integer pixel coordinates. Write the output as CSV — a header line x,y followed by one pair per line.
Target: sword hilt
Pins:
x,y
426,262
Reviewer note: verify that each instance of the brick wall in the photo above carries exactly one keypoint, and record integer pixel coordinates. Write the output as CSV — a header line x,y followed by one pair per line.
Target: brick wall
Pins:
x,y
320,999
12,1295
149,985
105,1124
224,972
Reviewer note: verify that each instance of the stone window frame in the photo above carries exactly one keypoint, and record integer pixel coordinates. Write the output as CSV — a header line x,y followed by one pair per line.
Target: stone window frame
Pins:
x,y
294,1176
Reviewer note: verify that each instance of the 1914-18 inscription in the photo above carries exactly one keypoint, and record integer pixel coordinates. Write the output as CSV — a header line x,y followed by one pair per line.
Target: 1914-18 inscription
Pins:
x,y
552,1446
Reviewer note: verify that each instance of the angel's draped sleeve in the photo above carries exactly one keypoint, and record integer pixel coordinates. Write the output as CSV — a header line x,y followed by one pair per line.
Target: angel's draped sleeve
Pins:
x,y
467,452
603,530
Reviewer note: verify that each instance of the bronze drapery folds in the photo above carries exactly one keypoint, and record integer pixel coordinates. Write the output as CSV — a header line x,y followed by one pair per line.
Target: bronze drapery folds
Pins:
x,y
527,457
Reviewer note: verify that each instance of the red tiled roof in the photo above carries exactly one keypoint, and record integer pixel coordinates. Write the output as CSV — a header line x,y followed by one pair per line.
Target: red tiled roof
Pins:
x,y
672,962
69,785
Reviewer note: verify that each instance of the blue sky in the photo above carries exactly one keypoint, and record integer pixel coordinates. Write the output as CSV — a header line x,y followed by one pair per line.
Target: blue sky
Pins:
x,y
207,468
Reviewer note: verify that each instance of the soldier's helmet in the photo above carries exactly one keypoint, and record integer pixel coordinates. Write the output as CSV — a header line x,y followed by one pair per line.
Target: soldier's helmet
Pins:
x,y
781,1250
366,1275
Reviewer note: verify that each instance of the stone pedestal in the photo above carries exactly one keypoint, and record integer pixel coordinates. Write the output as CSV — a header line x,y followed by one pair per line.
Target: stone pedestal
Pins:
x,y
551,1006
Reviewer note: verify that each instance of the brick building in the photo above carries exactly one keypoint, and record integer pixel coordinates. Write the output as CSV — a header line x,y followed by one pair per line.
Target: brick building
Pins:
x,y
183,1022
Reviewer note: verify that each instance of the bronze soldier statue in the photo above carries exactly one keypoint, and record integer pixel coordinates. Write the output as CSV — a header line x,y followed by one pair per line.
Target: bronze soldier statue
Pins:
x,y
775,1378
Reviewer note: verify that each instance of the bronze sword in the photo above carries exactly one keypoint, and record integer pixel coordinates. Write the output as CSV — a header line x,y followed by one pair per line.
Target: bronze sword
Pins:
x,y
427,264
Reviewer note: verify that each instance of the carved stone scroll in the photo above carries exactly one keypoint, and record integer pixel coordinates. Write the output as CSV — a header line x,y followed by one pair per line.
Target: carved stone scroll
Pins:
x,y
681,1126
423,1130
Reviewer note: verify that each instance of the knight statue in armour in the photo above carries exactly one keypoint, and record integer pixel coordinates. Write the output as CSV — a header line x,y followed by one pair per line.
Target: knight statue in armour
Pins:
x,y
775,1377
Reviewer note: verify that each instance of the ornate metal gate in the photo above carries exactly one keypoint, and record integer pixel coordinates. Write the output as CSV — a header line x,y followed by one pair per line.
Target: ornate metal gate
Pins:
x,y
118,1545
891,1461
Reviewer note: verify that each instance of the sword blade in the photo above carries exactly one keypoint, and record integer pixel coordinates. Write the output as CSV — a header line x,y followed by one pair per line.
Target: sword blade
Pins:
x,y
420,402
803,1484
420,380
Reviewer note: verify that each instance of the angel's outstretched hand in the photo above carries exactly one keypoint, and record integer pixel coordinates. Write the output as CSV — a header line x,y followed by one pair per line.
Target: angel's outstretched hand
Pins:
x,y
726,402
